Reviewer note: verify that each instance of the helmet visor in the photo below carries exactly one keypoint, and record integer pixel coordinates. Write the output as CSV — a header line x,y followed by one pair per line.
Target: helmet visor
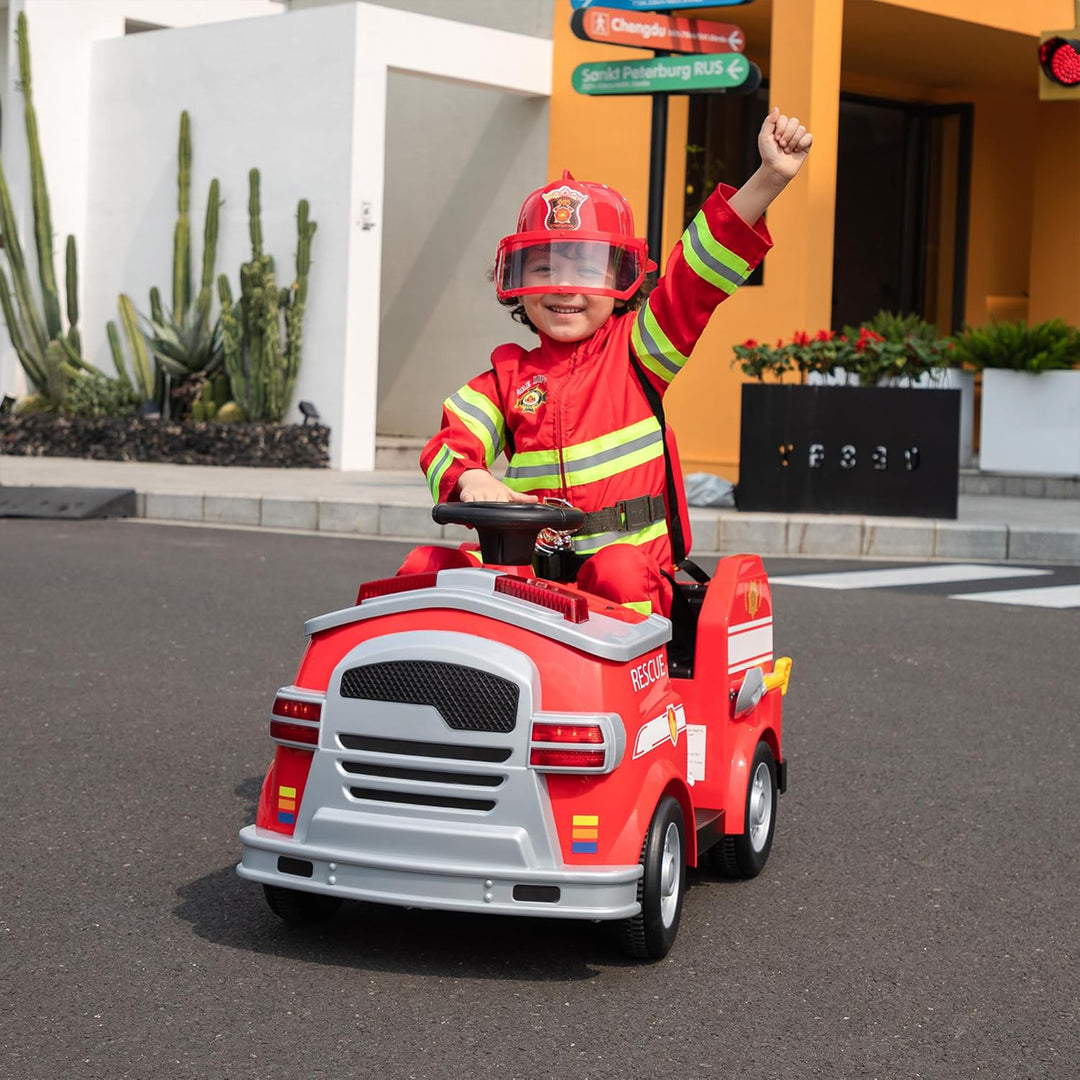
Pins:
x,y
526,264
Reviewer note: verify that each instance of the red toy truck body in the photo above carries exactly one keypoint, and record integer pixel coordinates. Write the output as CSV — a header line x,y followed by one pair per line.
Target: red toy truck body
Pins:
x,y
481,740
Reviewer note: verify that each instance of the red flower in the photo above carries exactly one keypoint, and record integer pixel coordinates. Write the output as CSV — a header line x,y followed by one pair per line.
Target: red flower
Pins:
x,y
800,338
824,335
749,343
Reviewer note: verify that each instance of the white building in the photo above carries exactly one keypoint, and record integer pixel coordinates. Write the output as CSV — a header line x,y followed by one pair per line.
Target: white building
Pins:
x,y
414,138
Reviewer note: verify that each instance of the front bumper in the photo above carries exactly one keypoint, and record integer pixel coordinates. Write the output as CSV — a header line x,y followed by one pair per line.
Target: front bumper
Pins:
x,y
608,892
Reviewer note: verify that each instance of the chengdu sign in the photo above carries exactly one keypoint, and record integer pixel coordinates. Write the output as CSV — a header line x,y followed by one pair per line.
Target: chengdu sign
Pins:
x,y
654,31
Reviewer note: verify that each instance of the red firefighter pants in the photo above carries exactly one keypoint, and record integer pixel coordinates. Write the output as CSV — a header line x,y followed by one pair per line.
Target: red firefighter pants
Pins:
x,y
621,573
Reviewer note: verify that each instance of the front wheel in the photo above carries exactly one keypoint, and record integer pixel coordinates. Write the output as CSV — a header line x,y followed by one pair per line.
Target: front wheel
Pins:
x,y
744,856
650,934
300,908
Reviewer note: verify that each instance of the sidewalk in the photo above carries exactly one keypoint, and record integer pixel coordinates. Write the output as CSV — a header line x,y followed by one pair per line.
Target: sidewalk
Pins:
x,y
395,504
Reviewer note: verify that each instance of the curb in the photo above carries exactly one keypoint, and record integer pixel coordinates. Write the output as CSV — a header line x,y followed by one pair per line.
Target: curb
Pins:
x,y
716,532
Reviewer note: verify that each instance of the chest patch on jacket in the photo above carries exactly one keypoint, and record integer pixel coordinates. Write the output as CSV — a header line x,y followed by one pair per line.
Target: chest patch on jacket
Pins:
x,y
531,394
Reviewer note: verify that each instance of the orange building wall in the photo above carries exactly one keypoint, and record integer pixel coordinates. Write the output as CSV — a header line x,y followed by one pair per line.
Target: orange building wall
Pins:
x,y
1025,197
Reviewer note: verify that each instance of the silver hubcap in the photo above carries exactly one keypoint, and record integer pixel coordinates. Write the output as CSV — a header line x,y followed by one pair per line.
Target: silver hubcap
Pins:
x,y
760,806
670,868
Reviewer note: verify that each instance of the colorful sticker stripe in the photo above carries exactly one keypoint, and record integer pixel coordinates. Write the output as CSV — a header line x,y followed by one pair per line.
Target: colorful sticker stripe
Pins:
x,y
585,834
286,805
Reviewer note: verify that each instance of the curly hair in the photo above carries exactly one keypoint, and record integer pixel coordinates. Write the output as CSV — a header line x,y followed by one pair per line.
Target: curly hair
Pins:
x,y
517,308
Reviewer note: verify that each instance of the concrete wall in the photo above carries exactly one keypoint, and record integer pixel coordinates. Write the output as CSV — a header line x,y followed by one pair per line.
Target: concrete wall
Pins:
x,y
251,105
450,196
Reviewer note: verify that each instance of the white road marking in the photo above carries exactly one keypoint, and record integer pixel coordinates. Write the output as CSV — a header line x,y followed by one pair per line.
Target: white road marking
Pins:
x,y
935,574
1053,596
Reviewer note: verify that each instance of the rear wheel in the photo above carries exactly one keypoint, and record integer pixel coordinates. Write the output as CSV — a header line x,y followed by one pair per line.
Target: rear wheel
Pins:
x,y
650,934
744,856
300,908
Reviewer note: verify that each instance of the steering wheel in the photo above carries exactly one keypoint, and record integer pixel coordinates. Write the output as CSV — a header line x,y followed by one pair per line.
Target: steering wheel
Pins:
x,y
508,531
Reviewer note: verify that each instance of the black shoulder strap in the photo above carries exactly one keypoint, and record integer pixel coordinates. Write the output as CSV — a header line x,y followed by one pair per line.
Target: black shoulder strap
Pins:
x,y
508,435
652,396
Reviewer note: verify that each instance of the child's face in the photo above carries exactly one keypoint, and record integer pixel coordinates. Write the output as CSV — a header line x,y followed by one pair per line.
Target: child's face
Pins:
x,y
567,316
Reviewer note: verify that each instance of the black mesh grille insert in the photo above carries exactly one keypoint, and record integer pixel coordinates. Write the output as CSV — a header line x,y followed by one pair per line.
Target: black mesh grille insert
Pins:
x,y
467,699
416,798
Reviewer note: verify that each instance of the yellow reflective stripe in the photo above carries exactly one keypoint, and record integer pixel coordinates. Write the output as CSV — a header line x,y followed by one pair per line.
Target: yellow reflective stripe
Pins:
x,y
481,417
529,484
613,440
653,347
586,545
642,607
529,459
586,462
709,259
653,448
437,469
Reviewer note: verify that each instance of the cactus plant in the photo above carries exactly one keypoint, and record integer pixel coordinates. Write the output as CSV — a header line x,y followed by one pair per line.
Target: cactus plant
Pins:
x,y
48,356
144,376
262,335
185,344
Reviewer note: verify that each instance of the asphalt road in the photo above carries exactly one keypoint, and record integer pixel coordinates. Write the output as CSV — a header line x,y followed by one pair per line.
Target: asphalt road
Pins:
x,y
917,917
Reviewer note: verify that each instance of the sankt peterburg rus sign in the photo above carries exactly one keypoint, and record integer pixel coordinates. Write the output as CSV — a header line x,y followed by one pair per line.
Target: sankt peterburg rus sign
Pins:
x,y
668,74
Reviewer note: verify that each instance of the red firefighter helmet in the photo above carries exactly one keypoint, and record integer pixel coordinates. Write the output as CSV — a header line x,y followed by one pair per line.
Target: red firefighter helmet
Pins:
x,y
572,237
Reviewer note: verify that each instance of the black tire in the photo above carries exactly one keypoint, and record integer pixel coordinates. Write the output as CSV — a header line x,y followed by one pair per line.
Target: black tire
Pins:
x,y
300,908
650,934
744,855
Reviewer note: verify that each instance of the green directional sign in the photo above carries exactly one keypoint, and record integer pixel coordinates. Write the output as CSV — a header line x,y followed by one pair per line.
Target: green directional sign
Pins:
x,y
664,74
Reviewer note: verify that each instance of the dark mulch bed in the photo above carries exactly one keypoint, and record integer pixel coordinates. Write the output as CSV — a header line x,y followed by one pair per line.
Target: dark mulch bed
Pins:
x,y
277,446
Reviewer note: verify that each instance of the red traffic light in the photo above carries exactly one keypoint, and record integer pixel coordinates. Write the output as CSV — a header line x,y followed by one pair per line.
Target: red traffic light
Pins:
x,y
1060,60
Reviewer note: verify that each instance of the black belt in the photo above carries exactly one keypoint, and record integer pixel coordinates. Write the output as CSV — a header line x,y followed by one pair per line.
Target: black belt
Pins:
x,y
627,515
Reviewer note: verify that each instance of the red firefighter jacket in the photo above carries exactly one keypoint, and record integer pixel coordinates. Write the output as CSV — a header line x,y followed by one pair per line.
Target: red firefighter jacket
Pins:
x,y
572,417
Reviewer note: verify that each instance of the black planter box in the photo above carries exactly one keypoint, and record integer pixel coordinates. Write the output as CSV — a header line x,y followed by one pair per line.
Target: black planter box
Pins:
x,y
849,450
121,438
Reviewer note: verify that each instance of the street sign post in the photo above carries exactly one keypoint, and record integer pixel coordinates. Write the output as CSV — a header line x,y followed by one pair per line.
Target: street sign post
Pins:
x,y
665,74
647,30
655,5
714,66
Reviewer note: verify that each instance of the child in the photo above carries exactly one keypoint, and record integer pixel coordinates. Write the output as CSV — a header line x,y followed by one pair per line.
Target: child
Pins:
x,y
574,415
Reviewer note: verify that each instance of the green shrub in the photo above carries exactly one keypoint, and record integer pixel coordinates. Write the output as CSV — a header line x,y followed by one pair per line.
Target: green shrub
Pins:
x,y
99,396
1015,346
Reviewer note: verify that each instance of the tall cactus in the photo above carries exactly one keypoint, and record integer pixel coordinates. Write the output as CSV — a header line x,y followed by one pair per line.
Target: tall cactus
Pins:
x,y
262,368
48,356
182,230
39,192
185,341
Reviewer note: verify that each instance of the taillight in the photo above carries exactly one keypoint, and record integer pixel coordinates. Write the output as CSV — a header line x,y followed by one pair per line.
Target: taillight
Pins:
x,y
546,757
401,583
567,733
572,606
295,720
592,743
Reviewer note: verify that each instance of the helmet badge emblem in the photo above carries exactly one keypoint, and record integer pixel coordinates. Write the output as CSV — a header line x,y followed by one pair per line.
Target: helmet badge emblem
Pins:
x,y
563,205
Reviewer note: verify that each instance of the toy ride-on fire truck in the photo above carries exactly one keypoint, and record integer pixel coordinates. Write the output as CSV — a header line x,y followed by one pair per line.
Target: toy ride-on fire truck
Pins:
x,y
485,740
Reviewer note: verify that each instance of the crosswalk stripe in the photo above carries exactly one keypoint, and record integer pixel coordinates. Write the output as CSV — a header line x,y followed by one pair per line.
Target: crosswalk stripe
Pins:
x,y
1052,596
935,574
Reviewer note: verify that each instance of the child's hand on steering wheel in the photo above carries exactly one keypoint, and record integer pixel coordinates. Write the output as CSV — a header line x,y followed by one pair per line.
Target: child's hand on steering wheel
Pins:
x,y
478,485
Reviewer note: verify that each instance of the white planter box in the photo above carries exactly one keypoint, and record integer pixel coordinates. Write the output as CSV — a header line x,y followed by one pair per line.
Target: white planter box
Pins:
x,y
946,379
1030,423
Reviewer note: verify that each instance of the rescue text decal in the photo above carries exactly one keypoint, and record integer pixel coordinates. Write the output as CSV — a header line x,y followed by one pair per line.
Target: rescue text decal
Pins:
x,y
645,674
